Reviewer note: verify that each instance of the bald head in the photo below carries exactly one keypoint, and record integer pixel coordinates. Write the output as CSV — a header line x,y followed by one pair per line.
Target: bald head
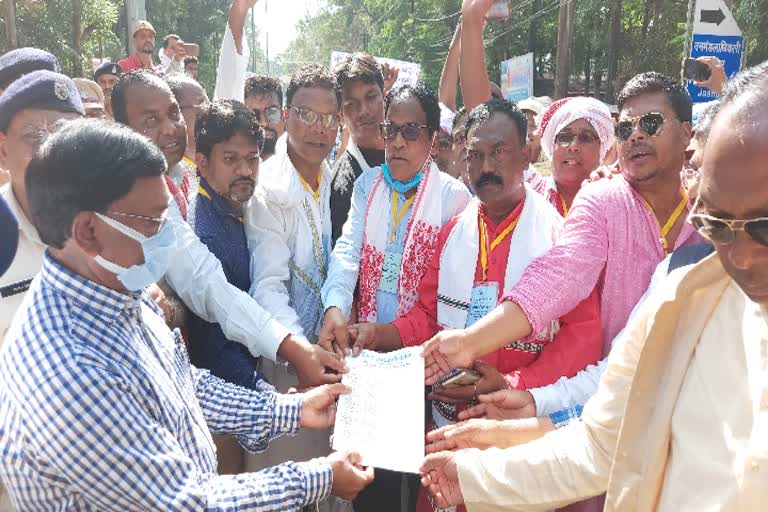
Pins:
x,y
734,183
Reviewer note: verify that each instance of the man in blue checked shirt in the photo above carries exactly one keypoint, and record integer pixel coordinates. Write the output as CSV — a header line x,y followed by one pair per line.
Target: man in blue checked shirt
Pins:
x,y
99,406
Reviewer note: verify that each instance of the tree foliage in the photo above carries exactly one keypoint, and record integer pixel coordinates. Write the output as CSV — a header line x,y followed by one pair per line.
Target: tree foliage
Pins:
x,y
652,36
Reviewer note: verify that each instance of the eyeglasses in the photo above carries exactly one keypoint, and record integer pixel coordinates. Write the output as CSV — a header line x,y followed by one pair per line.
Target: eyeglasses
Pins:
x,y
409,131
273,114
310,117
651,124
159,220
565,138
723,231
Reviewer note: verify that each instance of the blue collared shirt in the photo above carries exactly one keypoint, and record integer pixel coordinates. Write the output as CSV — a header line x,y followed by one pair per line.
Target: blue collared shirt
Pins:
x,y
220,227
101,410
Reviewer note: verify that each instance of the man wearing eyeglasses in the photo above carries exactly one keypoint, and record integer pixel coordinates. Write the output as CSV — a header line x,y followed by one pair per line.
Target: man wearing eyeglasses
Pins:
x,y
678,422
288,270
264,96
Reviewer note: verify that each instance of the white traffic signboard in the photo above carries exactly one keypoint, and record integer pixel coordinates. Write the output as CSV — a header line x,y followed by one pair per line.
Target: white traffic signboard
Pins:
x,y
715,34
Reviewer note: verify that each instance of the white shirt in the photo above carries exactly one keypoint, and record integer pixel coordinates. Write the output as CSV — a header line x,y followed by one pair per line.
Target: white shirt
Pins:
x,y
282,265
577,390
26,264
230,76
198,279
717,397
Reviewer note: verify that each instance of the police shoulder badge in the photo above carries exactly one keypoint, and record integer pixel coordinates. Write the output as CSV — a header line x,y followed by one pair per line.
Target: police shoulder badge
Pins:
x,y
61,91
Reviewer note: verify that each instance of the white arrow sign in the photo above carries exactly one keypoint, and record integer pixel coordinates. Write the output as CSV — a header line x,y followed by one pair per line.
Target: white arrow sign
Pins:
x,y
713,17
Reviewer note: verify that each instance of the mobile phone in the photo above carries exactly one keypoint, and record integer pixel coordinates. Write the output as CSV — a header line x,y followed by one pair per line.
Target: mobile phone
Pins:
x,y
459,377
696,70
500,10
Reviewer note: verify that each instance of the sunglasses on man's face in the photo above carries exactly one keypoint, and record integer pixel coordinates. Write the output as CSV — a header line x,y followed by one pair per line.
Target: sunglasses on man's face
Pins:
x,y
651,124
310,117
409,131
272,114
723,231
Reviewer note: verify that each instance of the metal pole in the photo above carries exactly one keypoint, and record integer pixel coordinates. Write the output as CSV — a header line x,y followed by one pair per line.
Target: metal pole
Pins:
x,y
689,28
266,14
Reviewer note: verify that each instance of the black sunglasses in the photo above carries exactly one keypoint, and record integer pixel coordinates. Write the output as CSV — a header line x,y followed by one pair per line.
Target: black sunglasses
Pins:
x,y
651,124
409,131
723,231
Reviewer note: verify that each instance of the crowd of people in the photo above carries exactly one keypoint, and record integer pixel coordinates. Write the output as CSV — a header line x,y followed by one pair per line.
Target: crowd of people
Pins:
x,y
191,275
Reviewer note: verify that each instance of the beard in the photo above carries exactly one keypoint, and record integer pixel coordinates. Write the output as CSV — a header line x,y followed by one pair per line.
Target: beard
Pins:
x,y
269,145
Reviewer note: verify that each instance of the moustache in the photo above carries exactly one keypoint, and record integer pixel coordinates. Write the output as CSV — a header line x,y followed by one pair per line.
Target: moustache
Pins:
x,y
242,181
488,179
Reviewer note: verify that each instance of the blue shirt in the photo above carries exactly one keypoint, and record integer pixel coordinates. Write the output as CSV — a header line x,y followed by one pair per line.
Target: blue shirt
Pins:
x,y
220,227
101,410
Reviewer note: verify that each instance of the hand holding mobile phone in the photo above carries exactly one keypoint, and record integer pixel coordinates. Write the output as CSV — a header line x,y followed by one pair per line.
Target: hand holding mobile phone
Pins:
x,y
694,69
459,377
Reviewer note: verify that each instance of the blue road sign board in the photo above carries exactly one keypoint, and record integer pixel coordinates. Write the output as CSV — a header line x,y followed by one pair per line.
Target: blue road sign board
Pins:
x,y
728,49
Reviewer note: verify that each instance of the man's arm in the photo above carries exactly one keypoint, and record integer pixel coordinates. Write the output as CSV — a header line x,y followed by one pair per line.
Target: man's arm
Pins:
x,y
270,263
234,56
568,393
449,78
475,84
570,464
132,462
579,342
198,279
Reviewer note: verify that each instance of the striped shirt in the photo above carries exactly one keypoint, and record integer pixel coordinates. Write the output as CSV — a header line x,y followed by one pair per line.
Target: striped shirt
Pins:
x,y
101,410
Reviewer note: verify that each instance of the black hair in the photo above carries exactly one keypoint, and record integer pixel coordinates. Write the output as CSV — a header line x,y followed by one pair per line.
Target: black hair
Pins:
x,y
191,59
706,120
358,67
85,165
485,111
167,39
752,79
311,75
425,96
119,93
221,120
652,82
177,82
264,85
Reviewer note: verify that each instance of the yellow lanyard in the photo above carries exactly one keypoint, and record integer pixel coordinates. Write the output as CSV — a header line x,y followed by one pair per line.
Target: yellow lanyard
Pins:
x,y
189,162
565,206
670,222
315,193
496,241
397,216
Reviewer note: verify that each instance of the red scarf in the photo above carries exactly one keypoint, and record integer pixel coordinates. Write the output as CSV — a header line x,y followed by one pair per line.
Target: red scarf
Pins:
x,y
180,194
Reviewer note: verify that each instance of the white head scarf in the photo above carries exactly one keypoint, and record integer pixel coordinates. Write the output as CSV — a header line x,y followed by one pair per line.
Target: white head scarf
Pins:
x,y
562,113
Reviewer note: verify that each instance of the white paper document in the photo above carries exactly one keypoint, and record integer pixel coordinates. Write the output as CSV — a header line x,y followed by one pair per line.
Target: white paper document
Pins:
x,y
383,417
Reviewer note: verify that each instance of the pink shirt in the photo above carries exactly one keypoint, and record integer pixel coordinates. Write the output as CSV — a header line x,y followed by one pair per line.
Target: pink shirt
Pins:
x,y
609,240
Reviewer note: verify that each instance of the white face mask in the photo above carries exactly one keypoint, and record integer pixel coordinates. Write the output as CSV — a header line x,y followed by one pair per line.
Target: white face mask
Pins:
x,y
157,250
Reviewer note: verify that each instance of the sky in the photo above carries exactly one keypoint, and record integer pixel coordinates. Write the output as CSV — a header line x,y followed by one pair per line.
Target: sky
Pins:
x,y
281,21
